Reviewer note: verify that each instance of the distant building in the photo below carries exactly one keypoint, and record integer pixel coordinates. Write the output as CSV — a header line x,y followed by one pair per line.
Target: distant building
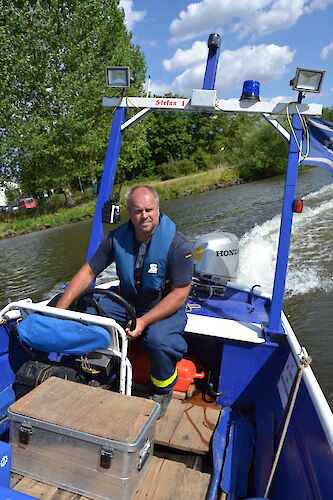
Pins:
x,y
3,197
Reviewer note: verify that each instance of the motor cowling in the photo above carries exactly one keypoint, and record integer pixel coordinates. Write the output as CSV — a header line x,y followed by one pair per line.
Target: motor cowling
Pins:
x,y
216,258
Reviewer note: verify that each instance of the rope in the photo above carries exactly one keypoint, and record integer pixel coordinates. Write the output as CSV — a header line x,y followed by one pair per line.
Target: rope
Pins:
x,y
305,362
305,129
134,105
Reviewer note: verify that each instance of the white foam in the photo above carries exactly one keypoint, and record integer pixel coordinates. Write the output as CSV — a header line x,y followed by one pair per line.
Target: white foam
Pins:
x,y
311,253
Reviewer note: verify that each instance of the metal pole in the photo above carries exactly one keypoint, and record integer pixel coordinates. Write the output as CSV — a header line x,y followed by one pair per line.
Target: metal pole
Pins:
x,y
274,325
214,43
108,177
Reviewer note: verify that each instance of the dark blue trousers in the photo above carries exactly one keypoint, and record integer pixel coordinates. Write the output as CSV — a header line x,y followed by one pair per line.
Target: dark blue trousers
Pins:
x,y
163,341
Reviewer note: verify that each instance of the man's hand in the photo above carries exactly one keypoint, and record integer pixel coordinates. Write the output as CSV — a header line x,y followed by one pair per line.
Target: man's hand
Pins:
x,y
140,326
78,284
168,305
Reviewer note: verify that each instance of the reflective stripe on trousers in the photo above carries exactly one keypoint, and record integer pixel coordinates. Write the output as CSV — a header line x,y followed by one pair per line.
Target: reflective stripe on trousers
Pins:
x,y
163,341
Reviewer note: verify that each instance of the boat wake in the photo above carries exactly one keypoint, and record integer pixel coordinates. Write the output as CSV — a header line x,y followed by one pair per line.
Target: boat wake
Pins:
x,y
311,256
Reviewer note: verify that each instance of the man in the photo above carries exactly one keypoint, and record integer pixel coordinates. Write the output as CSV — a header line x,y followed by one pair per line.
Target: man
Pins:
x,y
154,264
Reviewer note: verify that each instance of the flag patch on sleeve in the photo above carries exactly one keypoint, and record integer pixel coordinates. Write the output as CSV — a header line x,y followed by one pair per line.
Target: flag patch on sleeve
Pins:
x,y
188,255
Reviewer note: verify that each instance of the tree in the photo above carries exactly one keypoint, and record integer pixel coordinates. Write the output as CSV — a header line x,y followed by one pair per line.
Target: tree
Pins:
x,y
328,114
262,152
53,58
207,132
168,136
233,130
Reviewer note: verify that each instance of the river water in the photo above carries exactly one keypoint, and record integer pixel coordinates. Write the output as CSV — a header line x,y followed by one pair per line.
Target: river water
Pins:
x,y
36,265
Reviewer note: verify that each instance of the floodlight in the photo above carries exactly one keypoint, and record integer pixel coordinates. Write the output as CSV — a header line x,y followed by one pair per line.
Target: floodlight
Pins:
x,y
117,76
307,80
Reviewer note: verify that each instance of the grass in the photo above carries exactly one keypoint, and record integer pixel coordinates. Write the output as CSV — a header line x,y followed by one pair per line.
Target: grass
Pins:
x,y
12,224
182,186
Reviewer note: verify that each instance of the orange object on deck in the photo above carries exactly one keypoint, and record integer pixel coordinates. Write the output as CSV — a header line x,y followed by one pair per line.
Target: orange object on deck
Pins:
x,y
186,369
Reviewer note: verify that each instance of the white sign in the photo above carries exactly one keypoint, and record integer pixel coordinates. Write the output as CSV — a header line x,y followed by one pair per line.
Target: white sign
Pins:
x,y
286,379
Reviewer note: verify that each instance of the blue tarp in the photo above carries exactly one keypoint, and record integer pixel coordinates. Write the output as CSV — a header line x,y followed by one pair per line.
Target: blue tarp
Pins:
x,y
49,334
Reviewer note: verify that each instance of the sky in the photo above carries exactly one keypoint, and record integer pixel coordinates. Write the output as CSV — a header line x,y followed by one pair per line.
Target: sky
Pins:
x,y
263,40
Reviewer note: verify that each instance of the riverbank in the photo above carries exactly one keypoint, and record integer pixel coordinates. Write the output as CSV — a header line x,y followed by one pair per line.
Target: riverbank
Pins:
x,y
173,188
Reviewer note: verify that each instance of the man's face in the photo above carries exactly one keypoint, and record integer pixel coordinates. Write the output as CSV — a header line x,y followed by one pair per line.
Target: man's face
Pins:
x,y
144,213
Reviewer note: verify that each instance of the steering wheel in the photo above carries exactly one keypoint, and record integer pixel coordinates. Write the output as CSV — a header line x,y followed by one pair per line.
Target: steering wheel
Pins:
x,y
111,295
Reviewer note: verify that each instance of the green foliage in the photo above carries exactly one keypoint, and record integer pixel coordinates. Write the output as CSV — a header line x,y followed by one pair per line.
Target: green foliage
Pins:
x,y
53,60
168,170
12,195
186,167
234,128
328,114
203,160
207,132
173,169
135,158
262,153
168,137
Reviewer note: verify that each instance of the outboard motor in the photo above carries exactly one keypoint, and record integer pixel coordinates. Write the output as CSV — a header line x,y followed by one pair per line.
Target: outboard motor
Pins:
x,y
216,258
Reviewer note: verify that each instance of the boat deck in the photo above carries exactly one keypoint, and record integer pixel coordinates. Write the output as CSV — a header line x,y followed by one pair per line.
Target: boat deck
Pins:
x,y
187,427
165,480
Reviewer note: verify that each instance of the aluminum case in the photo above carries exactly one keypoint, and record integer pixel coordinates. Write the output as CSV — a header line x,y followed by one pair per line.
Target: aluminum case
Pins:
x,y
57,449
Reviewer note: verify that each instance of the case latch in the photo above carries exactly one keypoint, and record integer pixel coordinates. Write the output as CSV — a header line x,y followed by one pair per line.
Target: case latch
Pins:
x,y
144,455
106,457
25,432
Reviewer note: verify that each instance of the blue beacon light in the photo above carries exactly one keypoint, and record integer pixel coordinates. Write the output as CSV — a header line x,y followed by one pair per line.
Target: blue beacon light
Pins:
x,y
250,91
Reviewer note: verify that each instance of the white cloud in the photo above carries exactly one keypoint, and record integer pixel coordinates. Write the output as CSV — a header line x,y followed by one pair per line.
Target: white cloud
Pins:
x,y
262,62
189,36
184,58
257,16
208,13
282,14
131,16
158,88
317,4
327,51
277,99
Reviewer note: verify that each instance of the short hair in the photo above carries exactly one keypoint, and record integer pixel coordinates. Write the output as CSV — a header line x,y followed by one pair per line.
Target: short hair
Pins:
x,y
129,193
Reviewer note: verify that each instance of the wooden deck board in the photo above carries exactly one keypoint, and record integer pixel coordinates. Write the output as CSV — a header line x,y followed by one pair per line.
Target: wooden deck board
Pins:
x,y
187,427
147,488
36,489
165,480
169,480
195,429
166,426
194,485
66,495
14,478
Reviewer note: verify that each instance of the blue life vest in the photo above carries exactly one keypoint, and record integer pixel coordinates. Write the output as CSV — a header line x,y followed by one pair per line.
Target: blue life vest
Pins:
x,y
155,263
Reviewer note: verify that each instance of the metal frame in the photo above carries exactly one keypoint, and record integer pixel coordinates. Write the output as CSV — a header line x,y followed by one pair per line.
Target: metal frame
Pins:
x,y
125,385
208,103
221,105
